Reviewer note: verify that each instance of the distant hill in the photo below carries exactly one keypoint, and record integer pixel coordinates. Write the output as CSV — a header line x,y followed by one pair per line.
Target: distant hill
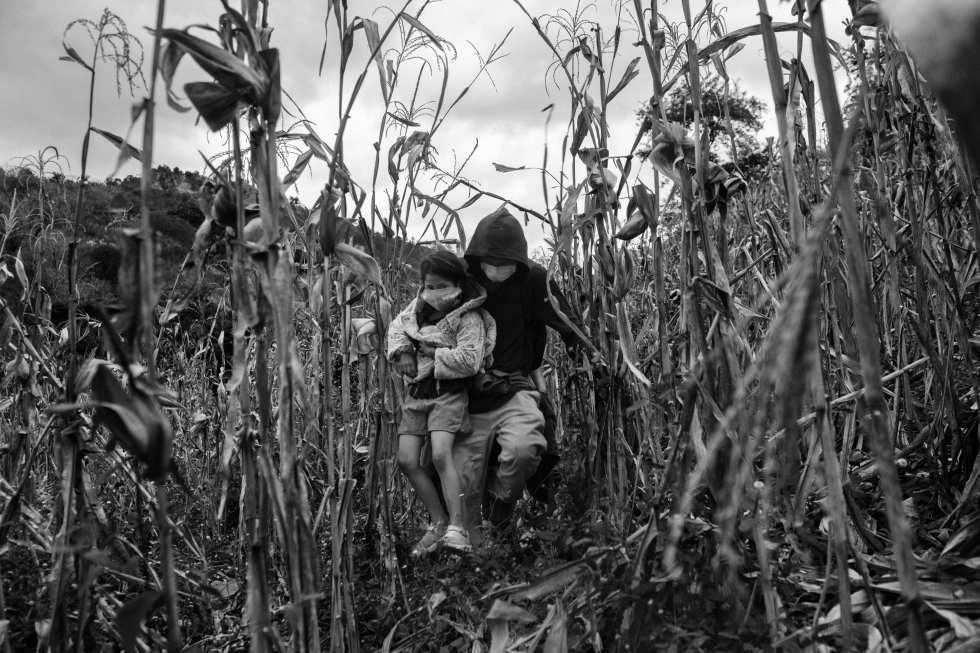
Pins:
x,y
37,224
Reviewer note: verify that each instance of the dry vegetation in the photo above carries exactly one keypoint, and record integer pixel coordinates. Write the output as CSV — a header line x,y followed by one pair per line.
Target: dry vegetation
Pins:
x,y
774,444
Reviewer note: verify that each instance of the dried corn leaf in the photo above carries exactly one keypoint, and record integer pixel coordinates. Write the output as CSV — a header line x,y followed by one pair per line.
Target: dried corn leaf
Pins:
x,y
966,541
551,581
358,262
964,628
227,69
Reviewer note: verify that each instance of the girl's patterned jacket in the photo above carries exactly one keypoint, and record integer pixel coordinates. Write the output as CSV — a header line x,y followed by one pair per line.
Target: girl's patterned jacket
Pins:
x,y
464,338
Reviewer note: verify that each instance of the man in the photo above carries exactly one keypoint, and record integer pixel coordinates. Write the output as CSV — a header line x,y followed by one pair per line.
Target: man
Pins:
x,y
505,402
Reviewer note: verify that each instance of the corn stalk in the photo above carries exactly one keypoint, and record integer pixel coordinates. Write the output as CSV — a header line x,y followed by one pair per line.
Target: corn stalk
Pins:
x,y
111,42
867,340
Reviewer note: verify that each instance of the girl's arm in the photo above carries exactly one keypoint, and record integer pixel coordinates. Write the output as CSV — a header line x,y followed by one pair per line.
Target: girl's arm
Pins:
x,y
463,360
398,340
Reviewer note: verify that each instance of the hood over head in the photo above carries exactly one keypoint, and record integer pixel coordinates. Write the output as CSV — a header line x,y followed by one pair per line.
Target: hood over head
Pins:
x,y
499,235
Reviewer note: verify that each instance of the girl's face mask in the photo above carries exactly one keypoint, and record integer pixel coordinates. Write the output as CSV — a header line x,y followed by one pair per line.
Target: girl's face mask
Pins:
x,y
443,299
498,273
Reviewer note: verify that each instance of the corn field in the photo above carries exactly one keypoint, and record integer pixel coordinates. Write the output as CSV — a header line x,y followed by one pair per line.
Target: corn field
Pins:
x,y
771,444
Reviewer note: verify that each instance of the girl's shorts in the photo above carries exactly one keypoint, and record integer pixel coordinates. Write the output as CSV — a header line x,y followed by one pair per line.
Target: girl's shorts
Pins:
x,y
447,412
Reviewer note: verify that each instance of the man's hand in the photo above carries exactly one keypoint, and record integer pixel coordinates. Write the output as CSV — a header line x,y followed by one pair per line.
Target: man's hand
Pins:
x,y
537,378
427,349
588,361
594,357
406,364
580,355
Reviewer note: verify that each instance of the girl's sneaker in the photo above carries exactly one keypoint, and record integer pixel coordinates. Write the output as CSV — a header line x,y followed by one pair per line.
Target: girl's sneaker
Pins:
x,y
430,542
457,540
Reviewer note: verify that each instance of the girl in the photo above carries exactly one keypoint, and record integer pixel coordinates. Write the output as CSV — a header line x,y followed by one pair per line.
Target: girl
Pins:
x,y
438,343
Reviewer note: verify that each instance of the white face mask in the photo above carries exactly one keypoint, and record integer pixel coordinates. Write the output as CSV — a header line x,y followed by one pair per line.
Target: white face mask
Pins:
x,y
499,273
444,299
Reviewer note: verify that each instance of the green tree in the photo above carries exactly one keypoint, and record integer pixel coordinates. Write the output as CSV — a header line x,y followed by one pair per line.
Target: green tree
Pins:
x,y
744,110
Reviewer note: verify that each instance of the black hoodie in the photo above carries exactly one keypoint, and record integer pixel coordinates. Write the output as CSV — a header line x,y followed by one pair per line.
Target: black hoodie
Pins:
x,y
519,305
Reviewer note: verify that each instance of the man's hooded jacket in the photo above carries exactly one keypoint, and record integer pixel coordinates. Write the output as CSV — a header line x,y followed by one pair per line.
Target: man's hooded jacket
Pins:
x,y
519,305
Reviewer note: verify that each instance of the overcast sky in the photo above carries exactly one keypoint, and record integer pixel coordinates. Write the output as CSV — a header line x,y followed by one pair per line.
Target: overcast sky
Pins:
x,y
44,100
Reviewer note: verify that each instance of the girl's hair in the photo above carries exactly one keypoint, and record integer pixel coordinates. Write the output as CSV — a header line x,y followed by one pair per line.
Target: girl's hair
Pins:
x,y
444,264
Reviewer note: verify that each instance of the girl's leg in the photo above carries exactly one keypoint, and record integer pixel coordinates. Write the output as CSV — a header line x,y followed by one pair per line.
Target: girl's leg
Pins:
x,y
409,450
442,458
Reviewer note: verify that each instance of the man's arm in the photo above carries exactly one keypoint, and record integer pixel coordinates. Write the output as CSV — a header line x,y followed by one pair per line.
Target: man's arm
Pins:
x,y
560,322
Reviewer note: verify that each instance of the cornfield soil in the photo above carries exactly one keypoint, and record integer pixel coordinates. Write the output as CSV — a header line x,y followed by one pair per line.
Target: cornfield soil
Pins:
x,y
443,600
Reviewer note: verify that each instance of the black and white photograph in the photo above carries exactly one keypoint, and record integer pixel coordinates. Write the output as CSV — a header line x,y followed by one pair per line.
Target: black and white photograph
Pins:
x,y
490,326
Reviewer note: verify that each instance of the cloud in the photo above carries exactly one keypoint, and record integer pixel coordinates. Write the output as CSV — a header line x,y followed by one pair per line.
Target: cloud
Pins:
x,y
44,100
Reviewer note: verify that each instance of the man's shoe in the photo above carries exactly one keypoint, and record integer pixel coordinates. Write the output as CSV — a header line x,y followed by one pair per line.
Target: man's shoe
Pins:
x,y
457,540
500,514
430,542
